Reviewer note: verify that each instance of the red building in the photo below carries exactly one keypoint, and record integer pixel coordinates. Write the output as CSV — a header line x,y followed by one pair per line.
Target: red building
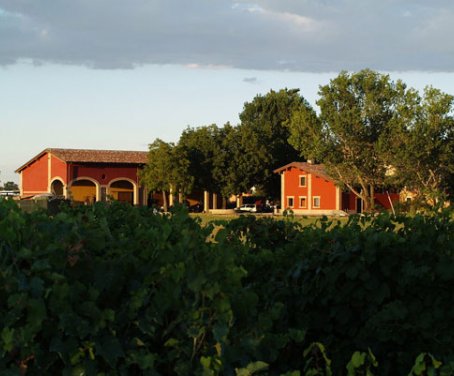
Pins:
x,y
85,175
306,188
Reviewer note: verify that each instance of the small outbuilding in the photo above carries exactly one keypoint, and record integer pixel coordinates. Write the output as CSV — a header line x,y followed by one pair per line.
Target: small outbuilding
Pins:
x,y
85,176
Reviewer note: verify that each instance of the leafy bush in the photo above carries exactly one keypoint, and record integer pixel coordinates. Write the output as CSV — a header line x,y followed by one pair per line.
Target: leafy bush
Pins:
x,y
112,289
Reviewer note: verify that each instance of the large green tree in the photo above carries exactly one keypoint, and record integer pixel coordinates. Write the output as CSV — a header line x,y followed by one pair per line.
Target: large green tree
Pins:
x,y
230,164
422,153
200,146
263,138
351,134
166,170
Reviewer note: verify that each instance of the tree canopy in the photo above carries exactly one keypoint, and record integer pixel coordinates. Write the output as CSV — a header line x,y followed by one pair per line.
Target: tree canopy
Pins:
x,y
357,113
200,146
166,170
263,138
423,150
9,186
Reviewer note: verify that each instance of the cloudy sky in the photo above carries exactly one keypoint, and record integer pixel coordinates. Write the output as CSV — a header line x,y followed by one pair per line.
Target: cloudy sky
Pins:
x,y
118,74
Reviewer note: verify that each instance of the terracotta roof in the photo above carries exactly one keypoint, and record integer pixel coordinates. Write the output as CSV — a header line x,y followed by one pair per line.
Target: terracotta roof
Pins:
x,y
93,156
316,169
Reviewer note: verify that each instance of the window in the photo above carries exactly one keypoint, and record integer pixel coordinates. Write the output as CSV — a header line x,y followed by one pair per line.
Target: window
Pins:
x,y
290,202
303,202
316,201
302,180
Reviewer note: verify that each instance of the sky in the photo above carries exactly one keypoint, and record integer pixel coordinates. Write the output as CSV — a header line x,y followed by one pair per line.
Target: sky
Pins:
x,y
115,74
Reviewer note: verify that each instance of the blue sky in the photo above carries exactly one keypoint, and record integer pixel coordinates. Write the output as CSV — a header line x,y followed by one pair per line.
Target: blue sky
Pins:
x,y
115,75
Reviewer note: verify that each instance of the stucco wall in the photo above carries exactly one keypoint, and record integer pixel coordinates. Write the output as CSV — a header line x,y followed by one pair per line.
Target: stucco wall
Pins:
x,y
58,169
326,190
315,186
103,173
35,177
292,188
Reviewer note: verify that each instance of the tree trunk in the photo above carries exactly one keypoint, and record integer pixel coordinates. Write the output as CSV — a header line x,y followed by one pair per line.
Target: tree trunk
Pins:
x,y
372,197
164,201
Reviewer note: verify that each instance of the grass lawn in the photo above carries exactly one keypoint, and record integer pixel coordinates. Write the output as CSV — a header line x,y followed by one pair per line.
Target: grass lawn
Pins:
x,y
304,220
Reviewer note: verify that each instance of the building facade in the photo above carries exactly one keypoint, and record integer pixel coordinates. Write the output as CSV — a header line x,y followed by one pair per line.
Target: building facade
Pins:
x,y
85,176
307,189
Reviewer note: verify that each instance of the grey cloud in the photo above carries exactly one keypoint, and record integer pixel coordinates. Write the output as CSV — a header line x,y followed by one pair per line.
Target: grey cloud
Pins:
x,y
304,35
250,80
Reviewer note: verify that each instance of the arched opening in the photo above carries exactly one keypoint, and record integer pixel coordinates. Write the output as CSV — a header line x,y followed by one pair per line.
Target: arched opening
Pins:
x,y
57,188
83,191
122,190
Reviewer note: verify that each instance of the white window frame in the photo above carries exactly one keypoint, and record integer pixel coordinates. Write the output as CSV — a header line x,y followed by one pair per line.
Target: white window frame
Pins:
x,y
288,201
305,200
305,180
319,202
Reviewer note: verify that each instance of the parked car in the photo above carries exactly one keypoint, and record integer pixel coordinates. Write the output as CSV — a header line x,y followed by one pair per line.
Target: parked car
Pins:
x,y
247,208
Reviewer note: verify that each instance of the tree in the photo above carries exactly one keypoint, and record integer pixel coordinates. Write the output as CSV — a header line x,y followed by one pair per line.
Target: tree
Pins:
x,y
230,162
10,186
200,146
263,137
166,170
357,113
423,151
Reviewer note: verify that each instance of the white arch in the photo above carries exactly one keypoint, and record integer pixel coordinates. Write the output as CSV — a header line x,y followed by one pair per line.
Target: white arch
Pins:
x,y
60,179
94,181
135,188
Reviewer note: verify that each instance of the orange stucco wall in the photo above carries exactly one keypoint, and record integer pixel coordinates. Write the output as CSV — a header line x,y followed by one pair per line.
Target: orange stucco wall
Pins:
x,y
326,190
34,177
292,188
58,169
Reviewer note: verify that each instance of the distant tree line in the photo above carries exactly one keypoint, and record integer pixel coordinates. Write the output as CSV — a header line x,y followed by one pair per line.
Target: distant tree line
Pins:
x,y
370,132
9,186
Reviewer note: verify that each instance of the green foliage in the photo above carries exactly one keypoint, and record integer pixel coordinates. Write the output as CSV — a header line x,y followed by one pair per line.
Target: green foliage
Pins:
x,y
112,289
362,363
9,186
425,364
263,138
166,170
423,145
357,113
202,147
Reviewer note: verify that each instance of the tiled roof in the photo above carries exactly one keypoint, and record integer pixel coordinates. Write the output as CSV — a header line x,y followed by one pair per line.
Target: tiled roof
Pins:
x,y
100,156
93,156
316,169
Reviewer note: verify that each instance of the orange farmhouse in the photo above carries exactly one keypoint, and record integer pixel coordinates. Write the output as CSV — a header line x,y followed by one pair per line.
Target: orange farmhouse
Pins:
x,y
307,189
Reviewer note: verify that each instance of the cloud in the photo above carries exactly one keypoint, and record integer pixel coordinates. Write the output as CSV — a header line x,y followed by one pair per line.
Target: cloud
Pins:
x,y
250,80
305,35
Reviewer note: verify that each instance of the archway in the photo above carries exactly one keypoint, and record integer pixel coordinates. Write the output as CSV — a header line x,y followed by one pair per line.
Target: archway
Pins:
x,y
122,190
57,187
84,190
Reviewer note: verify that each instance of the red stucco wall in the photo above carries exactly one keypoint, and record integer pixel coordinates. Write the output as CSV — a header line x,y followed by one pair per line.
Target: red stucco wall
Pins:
x,y
34,177
58,169
381,199
103,173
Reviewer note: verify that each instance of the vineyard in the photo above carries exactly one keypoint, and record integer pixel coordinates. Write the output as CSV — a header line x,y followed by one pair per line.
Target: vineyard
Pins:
x,y
111,289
